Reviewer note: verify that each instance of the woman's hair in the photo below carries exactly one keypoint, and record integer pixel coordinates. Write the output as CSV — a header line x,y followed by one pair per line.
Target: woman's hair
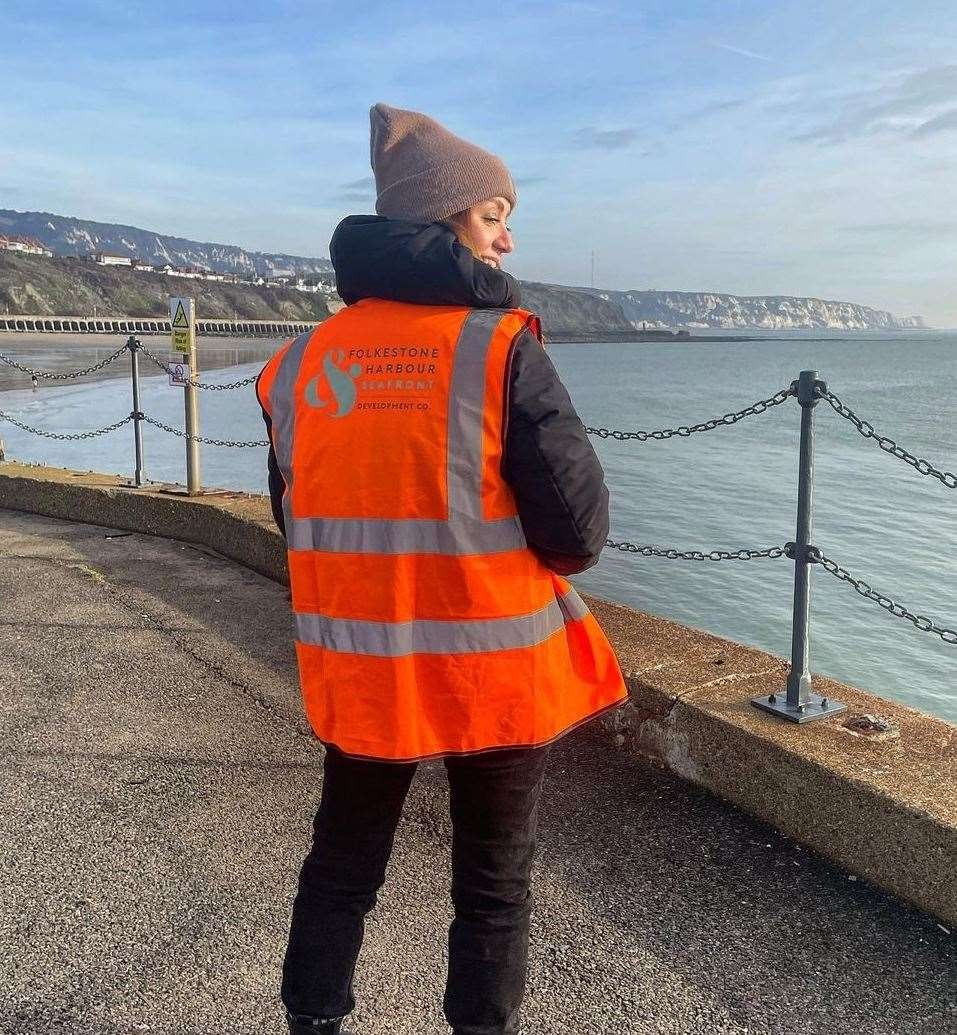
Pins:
x,y
459,224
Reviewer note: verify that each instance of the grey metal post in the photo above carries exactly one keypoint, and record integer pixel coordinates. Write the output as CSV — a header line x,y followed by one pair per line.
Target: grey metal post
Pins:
x,y
799,679
800,705
133,344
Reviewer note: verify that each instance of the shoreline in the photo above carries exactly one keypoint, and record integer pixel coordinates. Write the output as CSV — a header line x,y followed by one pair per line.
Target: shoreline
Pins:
x,y
640,338
59,352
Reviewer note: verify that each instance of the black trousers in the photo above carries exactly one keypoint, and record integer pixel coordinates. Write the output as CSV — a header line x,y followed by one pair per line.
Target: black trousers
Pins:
x,y
494,804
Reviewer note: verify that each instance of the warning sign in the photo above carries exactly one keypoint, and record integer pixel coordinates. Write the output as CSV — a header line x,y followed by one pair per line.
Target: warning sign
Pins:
x,y
182,318
178,373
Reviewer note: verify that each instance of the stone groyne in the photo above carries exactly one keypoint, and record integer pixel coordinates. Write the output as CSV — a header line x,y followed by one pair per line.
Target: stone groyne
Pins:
x,y
879,799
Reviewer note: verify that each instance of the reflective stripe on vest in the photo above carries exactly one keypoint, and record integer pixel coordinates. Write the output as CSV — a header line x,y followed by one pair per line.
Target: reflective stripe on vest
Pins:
x,y
464,532
467,636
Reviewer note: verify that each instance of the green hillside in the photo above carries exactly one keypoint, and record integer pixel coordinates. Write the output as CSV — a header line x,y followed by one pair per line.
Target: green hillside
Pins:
x,y
36,285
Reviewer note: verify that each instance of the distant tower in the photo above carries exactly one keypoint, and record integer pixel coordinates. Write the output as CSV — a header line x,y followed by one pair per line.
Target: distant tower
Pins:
x,y
593,268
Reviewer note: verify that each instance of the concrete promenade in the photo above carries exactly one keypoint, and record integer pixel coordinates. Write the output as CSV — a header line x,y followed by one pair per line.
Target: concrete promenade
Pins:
x,y
158,781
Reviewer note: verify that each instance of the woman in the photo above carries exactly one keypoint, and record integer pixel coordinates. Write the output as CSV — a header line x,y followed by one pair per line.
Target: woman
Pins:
x,y
434,484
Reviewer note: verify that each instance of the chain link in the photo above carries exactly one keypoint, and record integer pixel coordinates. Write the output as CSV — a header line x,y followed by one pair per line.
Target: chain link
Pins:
x,y
198,384
866,429
922,622
47,375
65,438
199,438
709,425
694,555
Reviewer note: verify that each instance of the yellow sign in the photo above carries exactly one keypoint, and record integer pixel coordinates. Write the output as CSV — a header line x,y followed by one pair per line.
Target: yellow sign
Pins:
x,y
182,313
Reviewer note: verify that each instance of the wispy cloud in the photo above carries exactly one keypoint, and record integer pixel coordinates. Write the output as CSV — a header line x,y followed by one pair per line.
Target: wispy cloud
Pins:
x,y
362,189
920,229
905,104
714,108
604,139
941,124
744,52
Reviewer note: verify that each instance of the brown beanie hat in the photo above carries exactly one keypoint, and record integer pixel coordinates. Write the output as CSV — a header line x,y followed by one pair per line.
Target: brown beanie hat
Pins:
x,y
424,173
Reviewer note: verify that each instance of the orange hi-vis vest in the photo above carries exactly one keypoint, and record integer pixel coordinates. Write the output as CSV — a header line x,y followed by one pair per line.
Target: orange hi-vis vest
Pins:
x,y
425,626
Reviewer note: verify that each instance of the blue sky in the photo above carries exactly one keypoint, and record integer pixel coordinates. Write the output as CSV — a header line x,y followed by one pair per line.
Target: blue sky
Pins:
x,y
754,147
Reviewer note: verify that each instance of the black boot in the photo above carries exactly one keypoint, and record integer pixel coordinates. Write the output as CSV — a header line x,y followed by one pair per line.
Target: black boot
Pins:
x,y
303,1024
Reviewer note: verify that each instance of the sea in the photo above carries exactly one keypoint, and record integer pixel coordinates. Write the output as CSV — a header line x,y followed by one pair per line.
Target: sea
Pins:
x,y
731,488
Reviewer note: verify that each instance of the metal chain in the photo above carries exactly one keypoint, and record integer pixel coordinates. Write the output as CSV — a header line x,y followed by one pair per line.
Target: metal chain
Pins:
x,y
47,375
694,555
65,438
199,438
866,429
198,384
709,425
126,420
922,622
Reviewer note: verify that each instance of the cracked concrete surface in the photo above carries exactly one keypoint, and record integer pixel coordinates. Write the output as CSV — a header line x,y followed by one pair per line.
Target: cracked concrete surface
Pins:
x,y
158,782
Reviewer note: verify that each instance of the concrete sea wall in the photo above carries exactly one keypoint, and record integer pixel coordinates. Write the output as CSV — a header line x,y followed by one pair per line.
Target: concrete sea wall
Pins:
x,y
877,798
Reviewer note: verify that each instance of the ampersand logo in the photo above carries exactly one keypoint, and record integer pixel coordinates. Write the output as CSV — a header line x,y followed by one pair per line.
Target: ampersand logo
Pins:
x,y
340,381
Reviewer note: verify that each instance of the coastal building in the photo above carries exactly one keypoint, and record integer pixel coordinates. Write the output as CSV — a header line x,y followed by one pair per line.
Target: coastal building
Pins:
x,y
107,259
27,245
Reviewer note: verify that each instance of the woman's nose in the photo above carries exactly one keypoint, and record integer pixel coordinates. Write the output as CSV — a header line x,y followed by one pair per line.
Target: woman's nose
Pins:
x,y
504,242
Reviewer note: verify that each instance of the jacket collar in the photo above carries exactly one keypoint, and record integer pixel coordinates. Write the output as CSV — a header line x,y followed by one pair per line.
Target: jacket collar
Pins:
x,y
423,263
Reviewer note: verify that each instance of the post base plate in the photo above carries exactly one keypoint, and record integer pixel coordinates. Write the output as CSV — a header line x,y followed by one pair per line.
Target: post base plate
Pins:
x,y
816,707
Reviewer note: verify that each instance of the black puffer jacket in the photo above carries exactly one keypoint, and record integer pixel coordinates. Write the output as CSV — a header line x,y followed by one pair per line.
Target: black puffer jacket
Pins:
x,y
548,461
